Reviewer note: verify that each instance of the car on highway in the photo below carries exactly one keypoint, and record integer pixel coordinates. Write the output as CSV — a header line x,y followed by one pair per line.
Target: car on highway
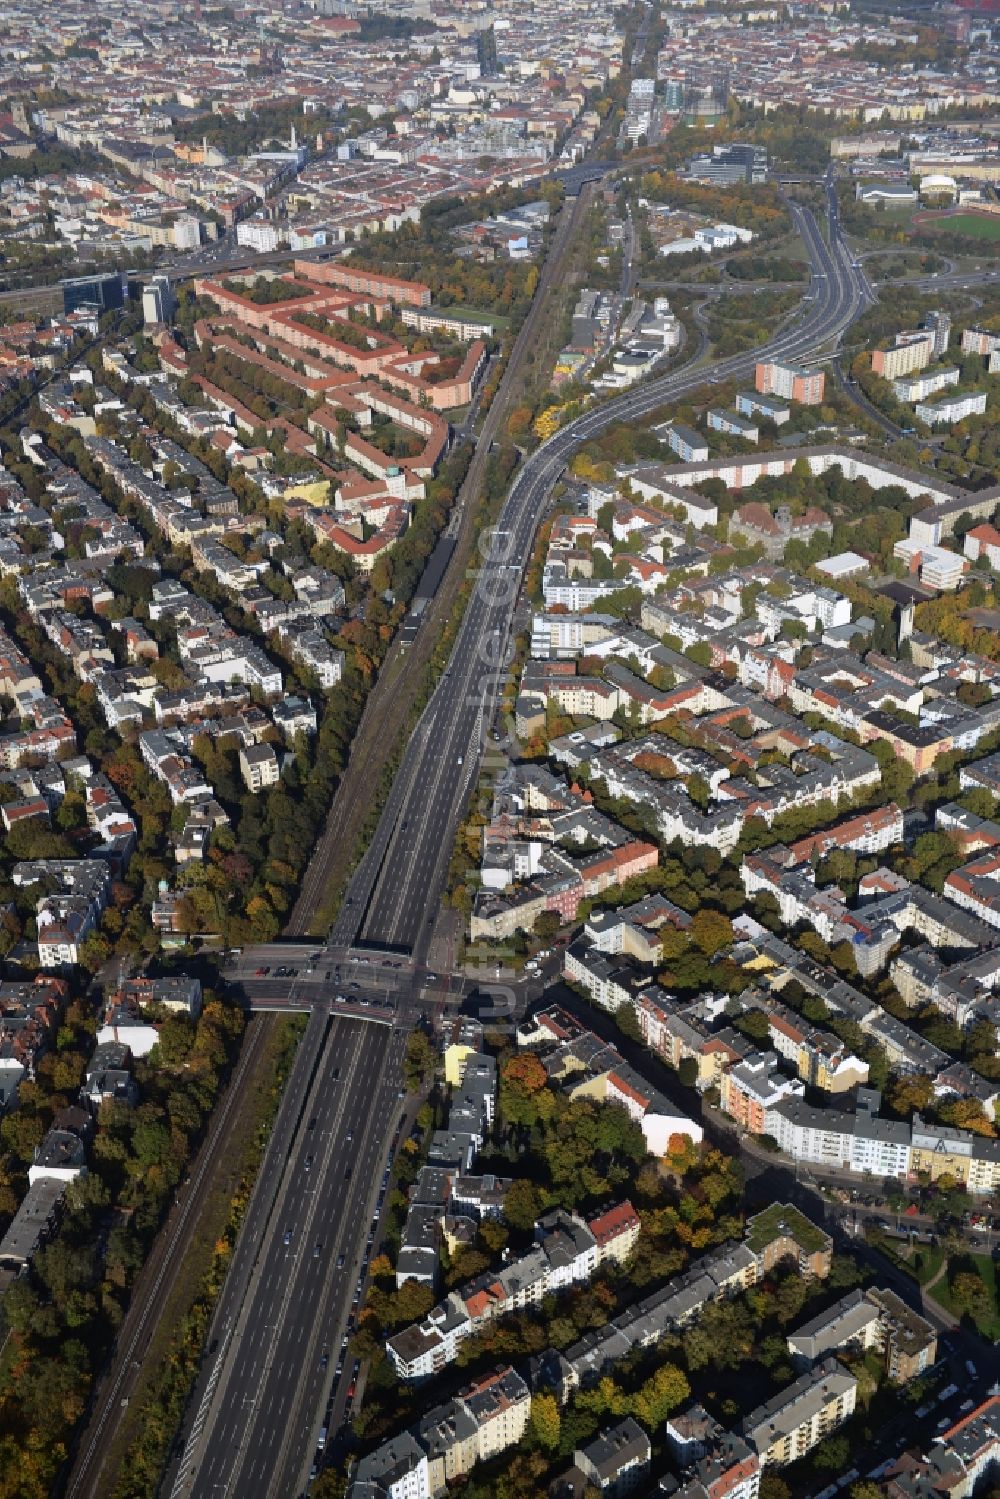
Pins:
x,y
287,1237
341,1260
307,1163
324,1359
349,1136
317,1250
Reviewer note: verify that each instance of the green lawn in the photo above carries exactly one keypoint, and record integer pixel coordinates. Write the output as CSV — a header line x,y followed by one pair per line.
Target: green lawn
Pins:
x,y
988,1321
975,225
926,1261
499,320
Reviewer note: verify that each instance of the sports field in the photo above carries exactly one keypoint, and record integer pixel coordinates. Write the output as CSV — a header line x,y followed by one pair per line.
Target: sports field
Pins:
x,y
974,225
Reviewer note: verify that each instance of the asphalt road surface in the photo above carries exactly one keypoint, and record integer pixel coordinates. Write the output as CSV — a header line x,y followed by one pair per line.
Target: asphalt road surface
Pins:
x,y
276,1342
254,1424
393,898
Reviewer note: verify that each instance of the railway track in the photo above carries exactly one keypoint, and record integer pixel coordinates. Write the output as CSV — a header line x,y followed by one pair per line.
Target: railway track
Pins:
x,y
152,1291
393,698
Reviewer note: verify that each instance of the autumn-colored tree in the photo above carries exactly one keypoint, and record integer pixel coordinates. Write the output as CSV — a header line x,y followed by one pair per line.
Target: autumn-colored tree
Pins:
x,y
545,1421
522,1205
968,1292
966,1113
911,1094
711,931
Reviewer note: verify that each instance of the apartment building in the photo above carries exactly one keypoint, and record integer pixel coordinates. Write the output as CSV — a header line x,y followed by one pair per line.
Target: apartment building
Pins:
x,y
734,425
794,383
714,1463
919,387
957,1461
753,403
948,410
567,1251
851,1323
259,767
795,1420
909,352
689,445
873,1319
982,342
616,1462
754,1087
779,1235
819,1057
983,541
782,1233
483,1420
907,1341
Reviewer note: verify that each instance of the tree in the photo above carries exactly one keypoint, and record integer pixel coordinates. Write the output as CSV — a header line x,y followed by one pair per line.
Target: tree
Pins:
x,y
711,931
966,1113
410,1303
688,1071
833,1453
522,1205
522,1080
545,1421
968,1292
662,1393
547,925
418,1062
912,1094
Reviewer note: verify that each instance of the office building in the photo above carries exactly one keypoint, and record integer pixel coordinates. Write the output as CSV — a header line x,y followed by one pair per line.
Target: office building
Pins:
x,y
106,292
486,52
158,301
727,165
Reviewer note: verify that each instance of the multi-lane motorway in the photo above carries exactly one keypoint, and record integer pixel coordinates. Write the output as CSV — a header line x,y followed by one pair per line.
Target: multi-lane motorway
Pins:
x,y
265,1392
278,1341
392,900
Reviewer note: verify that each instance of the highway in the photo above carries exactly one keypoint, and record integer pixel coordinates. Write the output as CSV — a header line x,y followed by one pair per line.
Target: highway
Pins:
x,y
382,717
253,1424
280,1331
393,897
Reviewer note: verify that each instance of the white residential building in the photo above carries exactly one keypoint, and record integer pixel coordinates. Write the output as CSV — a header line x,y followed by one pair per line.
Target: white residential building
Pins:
x,y
951,409
257,234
